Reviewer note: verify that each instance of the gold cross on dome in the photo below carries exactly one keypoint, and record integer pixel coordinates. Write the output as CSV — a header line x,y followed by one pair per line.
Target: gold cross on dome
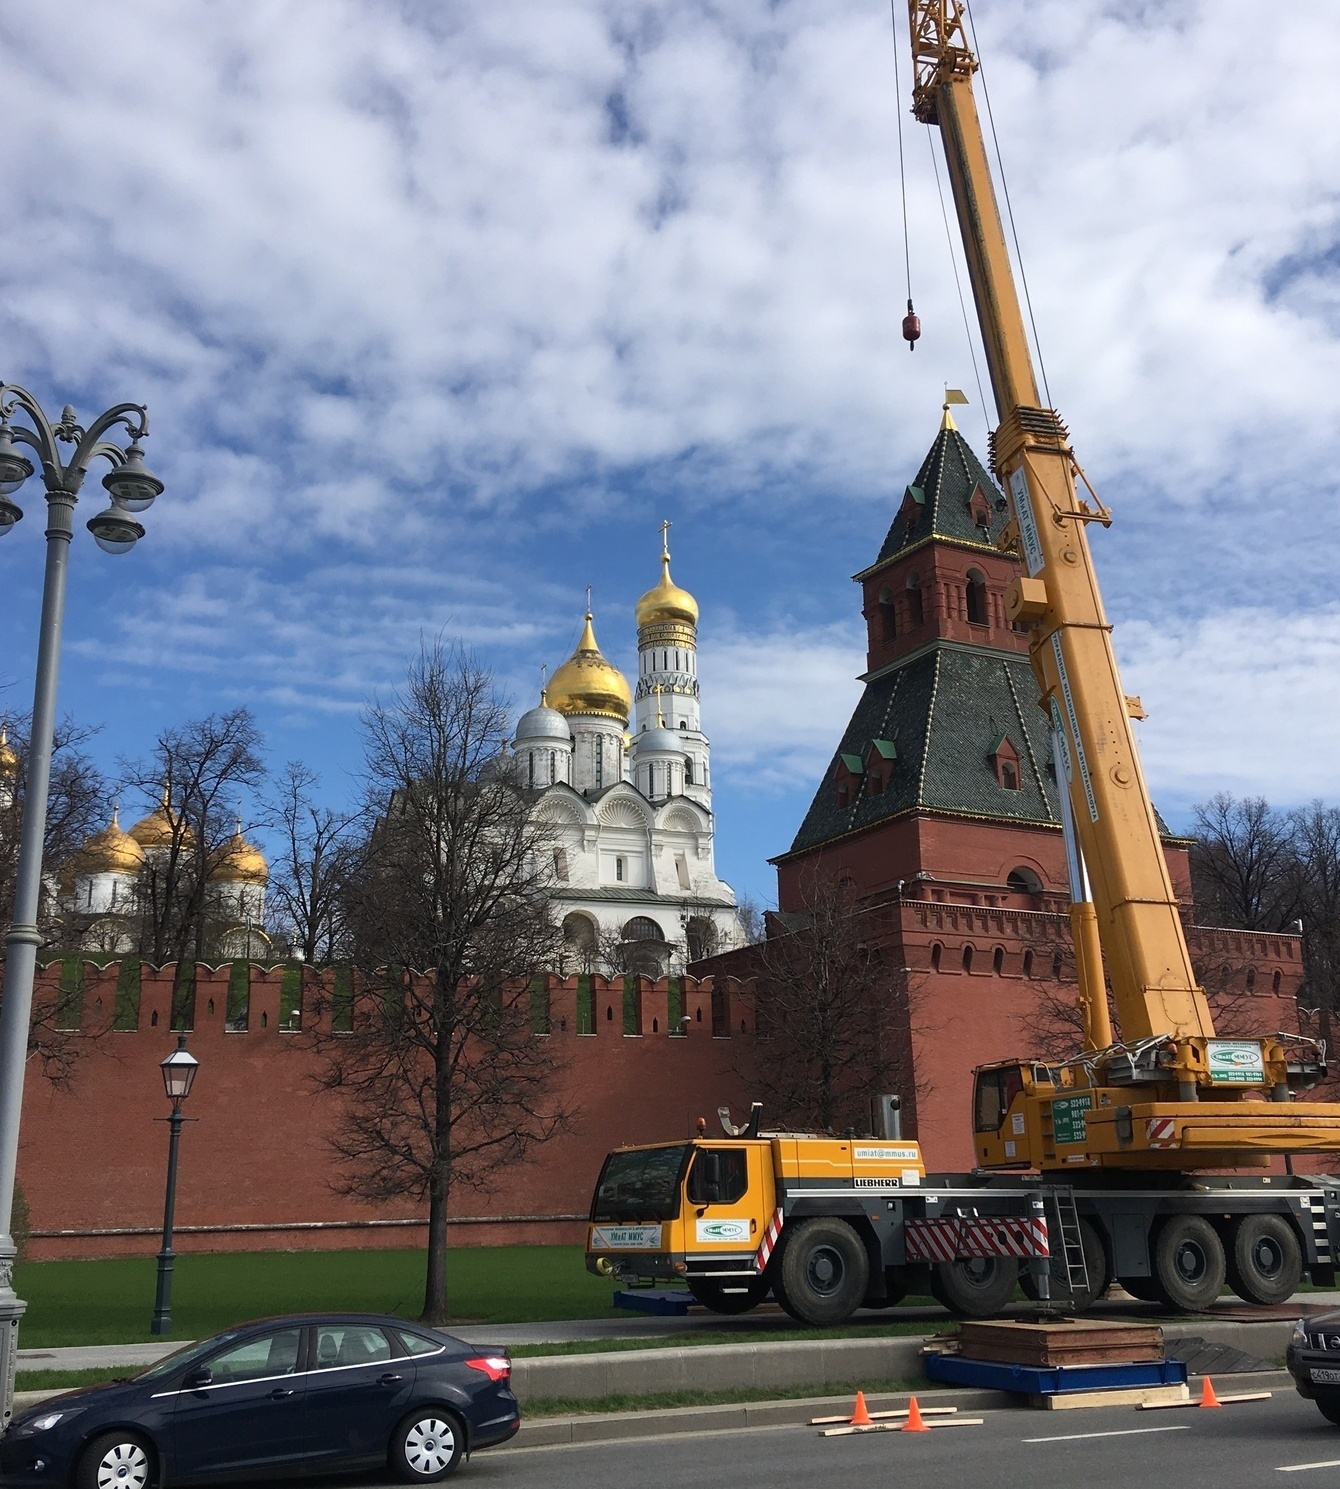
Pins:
x,y
665,538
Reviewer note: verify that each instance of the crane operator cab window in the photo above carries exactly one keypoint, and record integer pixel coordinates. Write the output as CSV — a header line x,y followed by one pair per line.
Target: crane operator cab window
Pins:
x,y
719,1176
996,1090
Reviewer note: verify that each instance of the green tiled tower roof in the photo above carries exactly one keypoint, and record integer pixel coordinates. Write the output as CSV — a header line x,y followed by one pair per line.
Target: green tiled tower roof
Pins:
x,y
946,709
938,504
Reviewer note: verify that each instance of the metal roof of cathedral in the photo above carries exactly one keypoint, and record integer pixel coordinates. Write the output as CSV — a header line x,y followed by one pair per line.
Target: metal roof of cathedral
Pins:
x,y
939,504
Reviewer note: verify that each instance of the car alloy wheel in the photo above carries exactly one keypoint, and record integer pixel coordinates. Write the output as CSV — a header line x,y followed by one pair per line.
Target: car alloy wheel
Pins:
x,y
430,1446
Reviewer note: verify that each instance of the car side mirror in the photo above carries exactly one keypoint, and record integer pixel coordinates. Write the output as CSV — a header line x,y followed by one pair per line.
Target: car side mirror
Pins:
x,y
199,1378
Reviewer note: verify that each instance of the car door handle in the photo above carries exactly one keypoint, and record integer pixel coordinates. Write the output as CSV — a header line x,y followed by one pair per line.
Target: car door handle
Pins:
x,y
387,1380
279,1393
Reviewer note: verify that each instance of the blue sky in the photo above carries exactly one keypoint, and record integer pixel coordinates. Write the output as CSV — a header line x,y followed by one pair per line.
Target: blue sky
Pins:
x,y
439,311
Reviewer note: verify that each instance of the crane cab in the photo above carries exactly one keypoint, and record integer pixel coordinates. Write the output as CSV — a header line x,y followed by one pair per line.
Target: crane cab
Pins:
x,y
1006,1124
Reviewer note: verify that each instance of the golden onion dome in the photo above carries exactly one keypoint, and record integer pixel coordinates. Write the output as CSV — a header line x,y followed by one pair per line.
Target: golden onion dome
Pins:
x,y
9,760
242,863
589,684
667,602
110,851
155,830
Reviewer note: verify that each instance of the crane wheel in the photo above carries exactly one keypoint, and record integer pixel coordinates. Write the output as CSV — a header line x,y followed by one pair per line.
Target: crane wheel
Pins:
x,y
1264,1258
1188,1264
824,1273
978,1287
712,1294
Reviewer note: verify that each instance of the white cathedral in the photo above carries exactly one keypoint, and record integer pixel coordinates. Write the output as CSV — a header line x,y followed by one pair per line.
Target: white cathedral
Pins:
x,y
631,809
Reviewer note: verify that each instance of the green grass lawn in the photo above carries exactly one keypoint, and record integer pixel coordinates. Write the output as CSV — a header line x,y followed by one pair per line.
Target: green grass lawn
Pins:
x,y
111,1302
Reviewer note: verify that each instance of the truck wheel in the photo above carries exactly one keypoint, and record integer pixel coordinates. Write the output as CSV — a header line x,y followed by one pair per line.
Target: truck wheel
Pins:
x,y
1188,1263
712,1294
824,1273
1265,1261
978,1287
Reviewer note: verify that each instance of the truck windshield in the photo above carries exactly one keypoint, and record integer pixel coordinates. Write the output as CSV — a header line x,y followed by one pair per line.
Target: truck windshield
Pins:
x,y
640,1185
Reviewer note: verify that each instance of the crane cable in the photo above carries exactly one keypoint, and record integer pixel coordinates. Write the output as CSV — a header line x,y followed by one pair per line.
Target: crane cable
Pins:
x,y
958,282
902,168
1009,208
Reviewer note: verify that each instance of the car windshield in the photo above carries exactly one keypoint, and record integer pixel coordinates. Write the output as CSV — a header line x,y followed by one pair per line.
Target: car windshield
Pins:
x,y
185,1355
642,1184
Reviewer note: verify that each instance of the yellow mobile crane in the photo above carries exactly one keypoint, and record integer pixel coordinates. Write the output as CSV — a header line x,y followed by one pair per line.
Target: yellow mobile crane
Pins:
x,y
1169,1095
1086,1170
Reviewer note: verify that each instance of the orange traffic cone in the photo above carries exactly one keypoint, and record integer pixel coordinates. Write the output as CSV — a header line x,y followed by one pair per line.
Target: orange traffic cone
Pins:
x,y
914,1422
861,1416
1207,1396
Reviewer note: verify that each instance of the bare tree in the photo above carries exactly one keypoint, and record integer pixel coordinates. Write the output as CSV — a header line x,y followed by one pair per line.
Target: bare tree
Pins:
x,y
76,807
753,920
1316,841
833,1020
308,874
197,774
1243,864
443,1079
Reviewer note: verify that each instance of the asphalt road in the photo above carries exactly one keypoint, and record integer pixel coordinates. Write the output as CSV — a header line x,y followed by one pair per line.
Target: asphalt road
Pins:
x,y
1256,1443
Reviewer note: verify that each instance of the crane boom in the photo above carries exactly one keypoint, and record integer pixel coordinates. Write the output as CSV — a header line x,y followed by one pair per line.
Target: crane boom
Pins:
x,y
1154,985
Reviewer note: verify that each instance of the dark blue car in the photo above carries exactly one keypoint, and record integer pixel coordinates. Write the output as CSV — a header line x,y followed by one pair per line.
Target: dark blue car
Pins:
x,y
308,1394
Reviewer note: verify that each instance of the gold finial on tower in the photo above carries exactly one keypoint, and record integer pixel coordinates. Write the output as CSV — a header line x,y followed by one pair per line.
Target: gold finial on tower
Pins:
x,y
952,395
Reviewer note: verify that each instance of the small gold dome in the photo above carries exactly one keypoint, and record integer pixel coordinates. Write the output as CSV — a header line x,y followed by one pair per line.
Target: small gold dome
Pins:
x,y
667,602
242,863
588,684
9,760
110,851
155,830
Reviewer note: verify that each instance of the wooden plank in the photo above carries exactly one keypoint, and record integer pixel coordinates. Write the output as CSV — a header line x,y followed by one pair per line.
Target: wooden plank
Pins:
x,y
897,1426
1223,1400
1117,1396
1009,1342
875,1416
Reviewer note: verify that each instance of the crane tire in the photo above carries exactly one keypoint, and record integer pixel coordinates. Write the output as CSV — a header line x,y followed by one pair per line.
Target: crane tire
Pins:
x,y
978,1287
1264,1258
1188,1264
711,1293
824,1273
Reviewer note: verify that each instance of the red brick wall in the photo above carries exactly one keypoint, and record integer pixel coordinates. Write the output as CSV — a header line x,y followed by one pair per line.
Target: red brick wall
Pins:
x,y
92,1157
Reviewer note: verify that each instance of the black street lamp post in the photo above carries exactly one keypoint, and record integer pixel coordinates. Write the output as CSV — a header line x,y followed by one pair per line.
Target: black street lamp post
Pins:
x,y
132,487
178,1075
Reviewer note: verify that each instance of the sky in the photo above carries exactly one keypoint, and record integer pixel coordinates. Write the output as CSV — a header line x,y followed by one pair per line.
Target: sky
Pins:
x,y
439,310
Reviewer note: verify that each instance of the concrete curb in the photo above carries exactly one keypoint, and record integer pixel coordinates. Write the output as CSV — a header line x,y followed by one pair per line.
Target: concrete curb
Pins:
x,y
803,1362
552,1432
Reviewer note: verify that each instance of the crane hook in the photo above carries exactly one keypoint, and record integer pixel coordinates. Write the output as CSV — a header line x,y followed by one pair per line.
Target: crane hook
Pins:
x,y
911,327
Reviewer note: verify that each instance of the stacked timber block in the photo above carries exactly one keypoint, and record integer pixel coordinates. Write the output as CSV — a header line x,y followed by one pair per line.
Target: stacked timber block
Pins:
x,y
1062,1364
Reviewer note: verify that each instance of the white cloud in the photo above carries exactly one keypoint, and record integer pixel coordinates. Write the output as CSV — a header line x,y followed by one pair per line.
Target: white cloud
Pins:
x,y
1244,700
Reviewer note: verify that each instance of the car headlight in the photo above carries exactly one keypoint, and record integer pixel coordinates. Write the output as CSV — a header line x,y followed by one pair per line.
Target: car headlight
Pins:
x,y
48,1420
1298,1339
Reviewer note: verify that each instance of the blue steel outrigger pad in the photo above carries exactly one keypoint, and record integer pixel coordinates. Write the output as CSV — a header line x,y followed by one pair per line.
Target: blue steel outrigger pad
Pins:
x,y
1052,1380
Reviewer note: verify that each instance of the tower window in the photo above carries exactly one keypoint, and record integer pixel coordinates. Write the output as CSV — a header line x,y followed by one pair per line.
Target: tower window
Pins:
x,y
888,623
1009,776
843,794
561,865
683,723
530,769
967,958
916,610
553,775
688,770
600,762
618,870
977,611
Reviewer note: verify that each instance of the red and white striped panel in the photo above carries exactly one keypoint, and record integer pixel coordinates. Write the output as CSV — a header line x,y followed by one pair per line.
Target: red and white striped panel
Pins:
x,y
769,1242
949,1239
1161,1132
